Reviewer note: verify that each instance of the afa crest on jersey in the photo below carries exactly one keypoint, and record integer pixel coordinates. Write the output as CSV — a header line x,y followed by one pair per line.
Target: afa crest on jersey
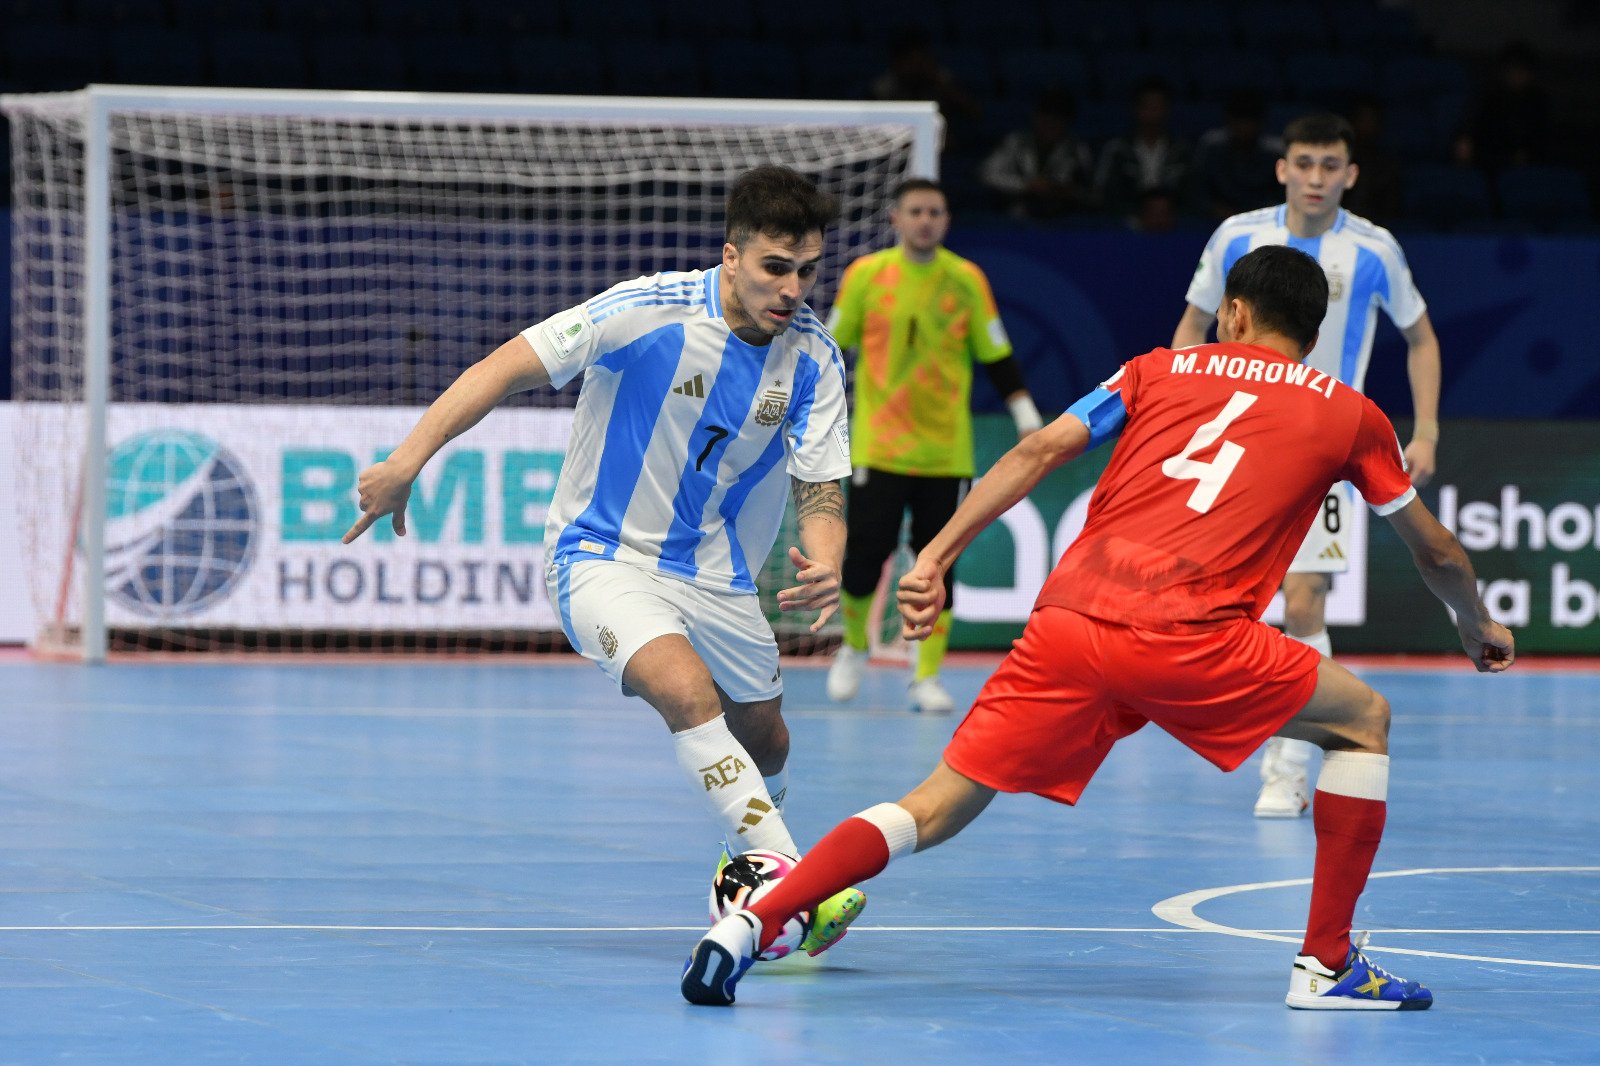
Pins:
x,y
773,406
1336,283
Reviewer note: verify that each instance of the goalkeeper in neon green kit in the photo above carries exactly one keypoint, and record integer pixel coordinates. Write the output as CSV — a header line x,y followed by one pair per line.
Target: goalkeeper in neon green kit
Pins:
x,y
919,317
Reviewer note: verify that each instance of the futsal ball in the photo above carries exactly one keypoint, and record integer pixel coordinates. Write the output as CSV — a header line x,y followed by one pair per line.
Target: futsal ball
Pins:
x,y
744,879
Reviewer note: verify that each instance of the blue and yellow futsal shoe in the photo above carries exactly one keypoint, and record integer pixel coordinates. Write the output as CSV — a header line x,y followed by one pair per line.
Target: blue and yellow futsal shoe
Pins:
x,y
1361,985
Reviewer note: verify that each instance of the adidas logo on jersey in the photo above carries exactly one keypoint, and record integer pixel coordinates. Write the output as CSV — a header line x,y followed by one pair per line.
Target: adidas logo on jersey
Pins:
x,y
1332,551
695,387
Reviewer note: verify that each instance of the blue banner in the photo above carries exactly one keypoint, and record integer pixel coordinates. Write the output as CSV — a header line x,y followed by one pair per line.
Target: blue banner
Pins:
x,y
1515,315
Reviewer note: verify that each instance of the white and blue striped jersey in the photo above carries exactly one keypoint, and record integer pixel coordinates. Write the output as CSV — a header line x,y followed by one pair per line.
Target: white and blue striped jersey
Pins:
x,y
685,437
1365,269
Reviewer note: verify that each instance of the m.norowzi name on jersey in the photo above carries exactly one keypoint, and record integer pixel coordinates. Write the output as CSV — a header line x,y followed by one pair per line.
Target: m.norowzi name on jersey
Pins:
x,y
1242,368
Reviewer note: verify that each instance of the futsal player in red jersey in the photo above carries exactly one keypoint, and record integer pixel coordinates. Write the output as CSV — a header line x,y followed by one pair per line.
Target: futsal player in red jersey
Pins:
x,y
1225,453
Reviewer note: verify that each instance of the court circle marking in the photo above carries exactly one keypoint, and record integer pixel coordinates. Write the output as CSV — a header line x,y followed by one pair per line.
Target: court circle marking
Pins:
x,y
1179,910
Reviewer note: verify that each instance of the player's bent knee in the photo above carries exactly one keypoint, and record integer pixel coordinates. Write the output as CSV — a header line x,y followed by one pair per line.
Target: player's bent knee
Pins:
x,y
765,736
1369,729
1378,718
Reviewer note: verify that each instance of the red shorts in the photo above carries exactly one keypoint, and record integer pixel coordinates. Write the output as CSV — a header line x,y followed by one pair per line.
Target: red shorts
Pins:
x,y
1073,686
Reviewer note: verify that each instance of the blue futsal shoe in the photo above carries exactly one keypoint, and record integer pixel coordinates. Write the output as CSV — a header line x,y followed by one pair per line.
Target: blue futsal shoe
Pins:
x,y
1361,985
723,955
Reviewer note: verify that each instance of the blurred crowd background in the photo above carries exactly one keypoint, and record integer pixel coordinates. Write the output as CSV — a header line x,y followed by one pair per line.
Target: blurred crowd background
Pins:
x,y
1472,115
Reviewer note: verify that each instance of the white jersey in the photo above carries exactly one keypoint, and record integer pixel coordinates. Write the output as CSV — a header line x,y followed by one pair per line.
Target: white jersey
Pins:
x,y
685,437
1365,269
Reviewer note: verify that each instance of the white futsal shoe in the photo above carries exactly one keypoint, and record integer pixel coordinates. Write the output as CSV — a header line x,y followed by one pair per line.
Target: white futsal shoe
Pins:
x,y
723,955
847,672
1285,783
929,697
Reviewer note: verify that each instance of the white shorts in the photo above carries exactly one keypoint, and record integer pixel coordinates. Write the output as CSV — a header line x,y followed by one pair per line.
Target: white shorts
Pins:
x,y
611,609
1326,549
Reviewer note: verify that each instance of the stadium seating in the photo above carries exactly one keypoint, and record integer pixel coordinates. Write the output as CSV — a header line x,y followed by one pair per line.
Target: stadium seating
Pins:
x,y
274,59
1329,77
1092,26
156,56
1446,197
1216,75
1024,71
1547,198
1316,54
358,61
1278,27
1408,76
319,16
191,15
1180,25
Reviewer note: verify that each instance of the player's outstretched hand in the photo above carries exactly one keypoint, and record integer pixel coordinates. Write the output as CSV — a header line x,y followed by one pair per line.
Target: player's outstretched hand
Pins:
x,y
382,489
818,589
1490,646
921,598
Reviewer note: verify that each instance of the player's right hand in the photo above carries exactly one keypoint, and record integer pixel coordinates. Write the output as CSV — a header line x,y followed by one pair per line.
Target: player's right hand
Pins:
x,y
1490,646
921,599
382,489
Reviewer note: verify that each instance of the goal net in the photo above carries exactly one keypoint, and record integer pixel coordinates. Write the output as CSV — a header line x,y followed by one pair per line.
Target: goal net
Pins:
x,y
226,303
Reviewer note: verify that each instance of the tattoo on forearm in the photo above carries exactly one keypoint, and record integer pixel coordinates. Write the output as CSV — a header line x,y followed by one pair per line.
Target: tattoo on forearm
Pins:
x,y
814,498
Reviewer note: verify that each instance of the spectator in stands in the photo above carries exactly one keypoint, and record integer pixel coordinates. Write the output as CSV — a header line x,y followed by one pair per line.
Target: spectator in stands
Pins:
x,y
1377,196
1233,164
1157,211
1510,122
1044,171
1145,158
915,73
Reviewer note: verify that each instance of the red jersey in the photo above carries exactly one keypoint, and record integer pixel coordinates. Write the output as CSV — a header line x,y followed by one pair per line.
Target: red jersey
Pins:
x,y
1226,456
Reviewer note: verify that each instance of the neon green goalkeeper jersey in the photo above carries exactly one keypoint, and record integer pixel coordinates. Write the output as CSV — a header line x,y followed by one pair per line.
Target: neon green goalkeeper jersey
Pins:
x,y
917,329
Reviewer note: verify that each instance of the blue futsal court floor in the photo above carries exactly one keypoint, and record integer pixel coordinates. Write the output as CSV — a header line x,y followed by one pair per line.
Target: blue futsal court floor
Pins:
x,y
497,862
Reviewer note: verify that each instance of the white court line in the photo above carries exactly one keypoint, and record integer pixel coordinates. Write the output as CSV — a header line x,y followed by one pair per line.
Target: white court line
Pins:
x,y
560,928
1179,910
1163,929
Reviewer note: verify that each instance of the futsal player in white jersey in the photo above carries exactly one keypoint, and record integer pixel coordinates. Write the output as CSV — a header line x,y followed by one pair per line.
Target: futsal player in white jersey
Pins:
x,y
707,396
1366,270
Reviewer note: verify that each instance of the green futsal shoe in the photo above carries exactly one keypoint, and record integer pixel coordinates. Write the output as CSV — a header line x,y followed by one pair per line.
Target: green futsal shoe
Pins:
x,y
832,919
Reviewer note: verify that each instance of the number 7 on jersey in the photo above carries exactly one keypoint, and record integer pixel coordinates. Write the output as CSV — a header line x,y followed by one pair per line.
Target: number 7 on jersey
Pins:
x,y
1213,475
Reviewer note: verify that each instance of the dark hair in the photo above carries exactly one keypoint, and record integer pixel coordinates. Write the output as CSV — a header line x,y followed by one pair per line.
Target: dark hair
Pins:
x,y
779,202
1286,289
1319,127
911,185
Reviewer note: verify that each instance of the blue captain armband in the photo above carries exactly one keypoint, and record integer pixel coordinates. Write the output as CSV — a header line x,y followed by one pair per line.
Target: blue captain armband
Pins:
x,y
1103,412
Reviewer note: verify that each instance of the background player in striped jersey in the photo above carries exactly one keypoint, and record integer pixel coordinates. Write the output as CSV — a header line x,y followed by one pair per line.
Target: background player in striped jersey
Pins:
x,y
707,395
919,316
1152,615
1366,270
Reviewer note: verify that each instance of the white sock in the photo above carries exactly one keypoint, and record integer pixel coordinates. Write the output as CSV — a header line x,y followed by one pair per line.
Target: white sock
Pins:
x,y
899,829
721,768
1319,640
1362,774
777,786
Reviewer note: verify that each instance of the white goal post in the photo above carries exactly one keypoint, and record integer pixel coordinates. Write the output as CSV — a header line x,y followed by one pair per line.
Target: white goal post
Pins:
x,y
224,300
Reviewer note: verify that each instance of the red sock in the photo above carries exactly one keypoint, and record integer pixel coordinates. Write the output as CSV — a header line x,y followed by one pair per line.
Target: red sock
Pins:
x,y
1348,832
854,851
